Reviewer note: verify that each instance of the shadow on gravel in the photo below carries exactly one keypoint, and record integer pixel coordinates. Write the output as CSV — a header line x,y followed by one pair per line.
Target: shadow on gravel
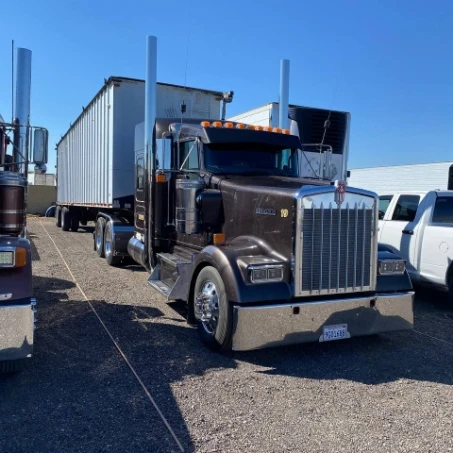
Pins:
x,y
77,394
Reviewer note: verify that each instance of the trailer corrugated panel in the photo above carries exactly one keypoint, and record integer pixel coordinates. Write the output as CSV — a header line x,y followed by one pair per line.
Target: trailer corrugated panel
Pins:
x,y
95,158
267,115
397,178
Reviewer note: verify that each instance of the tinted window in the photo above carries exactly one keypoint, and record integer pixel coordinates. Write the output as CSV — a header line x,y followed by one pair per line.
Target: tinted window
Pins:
x,y
406,208
251,158
384,202
443,210
140,173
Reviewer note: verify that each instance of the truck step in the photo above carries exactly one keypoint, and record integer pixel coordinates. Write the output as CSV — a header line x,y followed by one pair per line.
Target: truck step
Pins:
x,y
169,277
160,286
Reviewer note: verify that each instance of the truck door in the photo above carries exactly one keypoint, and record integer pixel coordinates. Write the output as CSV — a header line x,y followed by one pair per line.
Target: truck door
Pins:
x,y
140,198
397,229
384,203
437,242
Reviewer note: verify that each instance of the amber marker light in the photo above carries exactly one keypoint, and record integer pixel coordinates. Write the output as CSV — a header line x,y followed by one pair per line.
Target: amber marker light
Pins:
x,y
218,239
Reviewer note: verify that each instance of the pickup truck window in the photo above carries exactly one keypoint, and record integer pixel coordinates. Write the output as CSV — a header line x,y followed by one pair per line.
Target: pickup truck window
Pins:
x,y
443,210
384,202
406,208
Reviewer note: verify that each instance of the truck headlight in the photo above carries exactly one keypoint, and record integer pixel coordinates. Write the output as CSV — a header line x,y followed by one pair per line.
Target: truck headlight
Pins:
x,y
391,267
6,258
13,257
265,273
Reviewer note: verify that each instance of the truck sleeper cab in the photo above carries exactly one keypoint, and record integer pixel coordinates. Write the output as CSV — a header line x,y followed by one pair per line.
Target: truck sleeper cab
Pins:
x,y
262,257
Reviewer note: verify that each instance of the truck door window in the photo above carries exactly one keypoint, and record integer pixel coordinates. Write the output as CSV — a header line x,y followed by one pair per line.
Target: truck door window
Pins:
x,y
406,208
384,202
191,162
140,173
443,210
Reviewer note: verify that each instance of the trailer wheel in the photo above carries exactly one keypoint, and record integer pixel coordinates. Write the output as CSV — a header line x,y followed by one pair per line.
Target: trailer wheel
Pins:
x,y
58,216
65,219
75,219
99,236
11,366
109,246
213,311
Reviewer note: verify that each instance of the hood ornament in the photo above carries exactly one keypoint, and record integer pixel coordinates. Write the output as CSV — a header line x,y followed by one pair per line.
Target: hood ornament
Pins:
x,y
340,191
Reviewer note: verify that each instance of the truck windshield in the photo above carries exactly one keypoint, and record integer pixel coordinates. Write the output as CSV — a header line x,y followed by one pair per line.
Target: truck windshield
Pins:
x,y
251,159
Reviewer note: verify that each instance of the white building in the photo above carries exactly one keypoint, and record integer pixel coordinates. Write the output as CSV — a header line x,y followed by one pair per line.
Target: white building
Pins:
x,y
434,176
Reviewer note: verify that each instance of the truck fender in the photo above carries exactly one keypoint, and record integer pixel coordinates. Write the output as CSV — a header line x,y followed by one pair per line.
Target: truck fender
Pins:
x,y
226,260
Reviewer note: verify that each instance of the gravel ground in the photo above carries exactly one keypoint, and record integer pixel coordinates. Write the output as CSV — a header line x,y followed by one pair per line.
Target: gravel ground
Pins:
x,y
389,393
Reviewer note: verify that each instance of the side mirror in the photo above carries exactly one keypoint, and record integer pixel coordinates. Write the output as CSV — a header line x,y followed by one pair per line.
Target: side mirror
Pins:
x,y
40,146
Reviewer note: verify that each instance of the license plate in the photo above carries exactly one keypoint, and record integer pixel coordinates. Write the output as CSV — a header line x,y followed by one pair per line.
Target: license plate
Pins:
x,y
337,332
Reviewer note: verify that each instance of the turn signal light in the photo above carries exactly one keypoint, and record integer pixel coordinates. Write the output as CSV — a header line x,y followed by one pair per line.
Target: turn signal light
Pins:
x,y
241,126
277,129
21,257
205,123
267,128
228,125
216,124
218,239
161,178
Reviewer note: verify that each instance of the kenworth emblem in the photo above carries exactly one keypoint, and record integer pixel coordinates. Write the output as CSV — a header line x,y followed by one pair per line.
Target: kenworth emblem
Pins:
x,y
340,191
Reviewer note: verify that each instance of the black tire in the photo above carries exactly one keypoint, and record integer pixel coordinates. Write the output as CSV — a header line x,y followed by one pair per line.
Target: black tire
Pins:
x,y
109,246
65,219
11,366
58,216
450,293
99,236
215,333
75,219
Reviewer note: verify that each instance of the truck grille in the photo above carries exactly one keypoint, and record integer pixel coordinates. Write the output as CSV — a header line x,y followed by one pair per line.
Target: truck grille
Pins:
x,y
337,249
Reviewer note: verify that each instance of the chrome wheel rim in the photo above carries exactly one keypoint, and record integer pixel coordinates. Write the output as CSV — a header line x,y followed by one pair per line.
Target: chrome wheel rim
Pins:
x,y
108,242
98,237
207,306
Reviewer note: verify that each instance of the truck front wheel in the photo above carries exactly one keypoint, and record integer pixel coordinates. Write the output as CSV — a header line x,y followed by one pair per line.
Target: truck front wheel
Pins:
x,y
213,311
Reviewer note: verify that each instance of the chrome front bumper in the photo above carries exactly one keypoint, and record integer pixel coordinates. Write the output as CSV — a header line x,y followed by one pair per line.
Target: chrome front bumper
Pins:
x,y
17,324
276,325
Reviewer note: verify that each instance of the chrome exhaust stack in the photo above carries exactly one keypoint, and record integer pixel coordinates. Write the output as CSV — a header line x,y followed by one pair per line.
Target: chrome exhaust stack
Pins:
x,y
22,110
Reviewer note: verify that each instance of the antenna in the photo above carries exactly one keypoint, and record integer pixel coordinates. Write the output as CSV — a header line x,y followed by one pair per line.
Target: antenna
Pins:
x,y
12,81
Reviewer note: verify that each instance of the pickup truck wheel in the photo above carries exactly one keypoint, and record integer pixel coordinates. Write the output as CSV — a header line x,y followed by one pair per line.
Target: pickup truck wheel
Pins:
x,y
11,366
58,216
99,236
213,310
65,219
109,246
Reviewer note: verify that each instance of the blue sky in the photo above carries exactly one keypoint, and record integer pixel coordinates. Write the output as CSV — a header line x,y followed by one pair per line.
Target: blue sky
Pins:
x,y
392,61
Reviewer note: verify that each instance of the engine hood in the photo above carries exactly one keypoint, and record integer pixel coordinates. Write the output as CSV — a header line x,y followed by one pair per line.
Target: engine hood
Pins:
x,y
264,207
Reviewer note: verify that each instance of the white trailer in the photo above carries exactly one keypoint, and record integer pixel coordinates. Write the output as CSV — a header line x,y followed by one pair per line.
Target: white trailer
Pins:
x,y
320,126
401,178
95,157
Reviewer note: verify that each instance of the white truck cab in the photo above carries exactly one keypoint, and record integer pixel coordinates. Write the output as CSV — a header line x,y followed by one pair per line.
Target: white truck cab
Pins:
x,y
418,226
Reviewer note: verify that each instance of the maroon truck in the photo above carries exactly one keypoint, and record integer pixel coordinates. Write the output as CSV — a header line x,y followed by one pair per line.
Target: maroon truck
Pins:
x,y
17,305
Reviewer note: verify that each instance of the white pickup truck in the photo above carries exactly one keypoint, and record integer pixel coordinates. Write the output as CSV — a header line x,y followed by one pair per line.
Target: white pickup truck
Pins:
x,y
418,226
